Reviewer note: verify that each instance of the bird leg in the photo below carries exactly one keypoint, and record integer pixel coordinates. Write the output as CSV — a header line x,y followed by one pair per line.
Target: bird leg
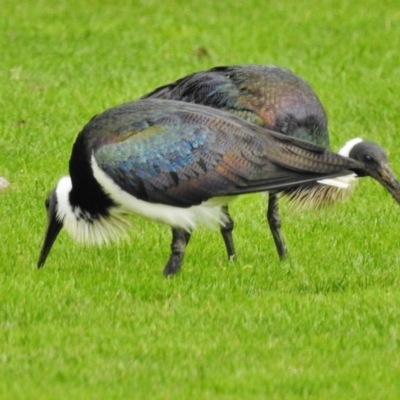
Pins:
x,y
274,222
226,232
180,238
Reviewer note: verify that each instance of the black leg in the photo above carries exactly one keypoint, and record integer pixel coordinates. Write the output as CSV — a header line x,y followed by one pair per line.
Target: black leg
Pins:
x,y
274,222
226,232
180,238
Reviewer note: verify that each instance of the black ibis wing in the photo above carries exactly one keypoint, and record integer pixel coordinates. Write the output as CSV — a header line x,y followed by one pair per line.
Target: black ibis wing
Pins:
x,y
213,88
265,95
182,154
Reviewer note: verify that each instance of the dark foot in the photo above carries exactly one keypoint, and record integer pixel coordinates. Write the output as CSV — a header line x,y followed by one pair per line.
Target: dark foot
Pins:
x,y
274,222
180,239
226,232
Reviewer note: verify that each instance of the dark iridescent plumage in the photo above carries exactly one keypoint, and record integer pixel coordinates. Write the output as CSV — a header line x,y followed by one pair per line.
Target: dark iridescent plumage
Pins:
x,y
181,155
267,96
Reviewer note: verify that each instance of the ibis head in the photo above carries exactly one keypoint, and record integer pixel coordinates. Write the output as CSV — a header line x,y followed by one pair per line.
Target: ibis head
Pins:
x,y
375,164
96,223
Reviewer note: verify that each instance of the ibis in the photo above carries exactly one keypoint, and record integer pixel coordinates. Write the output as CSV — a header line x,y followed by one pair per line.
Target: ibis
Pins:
x,y
277,99
179,164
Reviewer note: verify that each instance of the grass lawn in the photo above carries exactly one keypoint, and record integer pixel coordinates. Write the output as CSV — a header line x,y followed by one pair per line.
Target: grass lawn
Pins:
x,y
103,323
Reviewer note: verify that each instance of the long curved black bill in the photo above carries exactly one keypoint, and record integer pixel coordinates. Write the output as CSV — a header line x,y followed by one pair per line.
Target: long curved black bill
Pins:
x,y
387,178
53,229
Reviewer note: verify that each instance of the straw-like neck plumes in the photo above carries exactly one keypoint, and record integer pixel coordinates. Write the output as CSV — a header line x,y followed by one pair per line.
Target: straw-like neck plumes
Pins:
x,y
328,191
320,195
83,226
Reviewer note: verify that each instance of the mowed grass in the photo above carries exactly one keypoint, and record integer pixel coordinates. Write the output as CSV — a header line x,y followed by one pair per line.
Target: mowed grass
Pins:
x,y
103,323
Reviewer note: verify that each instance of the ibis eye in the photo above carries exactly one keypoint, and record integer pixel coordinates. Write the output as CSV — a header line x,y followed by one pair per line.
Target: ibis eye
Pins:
x,y
367,158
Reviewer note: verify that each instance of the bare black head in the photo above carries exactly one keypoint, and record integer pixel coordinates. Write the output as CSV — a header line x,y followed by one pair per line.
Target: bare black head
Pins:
x,y
81,224
375,162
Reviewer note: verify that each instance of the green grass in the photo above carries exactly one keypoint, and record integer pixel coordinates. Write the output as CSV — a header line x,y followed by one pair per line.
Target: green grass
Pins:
x,y
103,323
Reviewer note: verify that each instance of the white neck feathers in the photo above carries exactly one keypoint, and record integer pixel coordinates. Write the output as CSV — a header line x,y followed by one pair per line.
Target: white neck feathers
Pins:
x,y
84,227
346,149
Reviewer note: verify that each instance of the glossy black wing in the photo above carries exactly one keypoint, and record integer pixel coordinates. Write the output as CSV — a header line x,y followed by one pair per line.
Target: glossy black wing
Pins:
x,y
182,154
